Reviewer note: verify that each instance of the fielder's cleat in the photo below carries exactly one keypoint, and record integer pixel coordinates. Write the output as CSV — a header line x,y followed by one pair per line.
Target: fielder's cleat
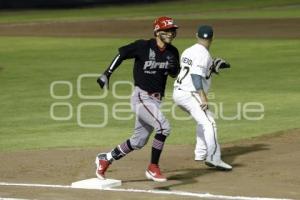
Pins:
x,y
102,164
219,164
153,173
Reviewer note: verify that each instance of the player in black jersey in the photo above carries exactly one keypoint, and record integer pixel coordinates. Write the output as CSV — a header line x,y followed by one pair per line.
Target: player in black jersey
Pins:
x,y
154,60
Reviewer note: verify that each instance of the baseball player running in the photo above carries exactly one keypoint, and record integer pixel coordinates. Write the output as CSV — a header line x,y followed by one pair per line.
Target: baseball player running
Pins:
x,y
154,60
190,93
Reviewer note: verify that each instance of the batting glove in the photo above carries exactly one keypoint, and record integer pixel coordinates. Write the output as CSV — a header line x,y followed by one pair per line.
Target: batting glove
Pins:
x,y
103,79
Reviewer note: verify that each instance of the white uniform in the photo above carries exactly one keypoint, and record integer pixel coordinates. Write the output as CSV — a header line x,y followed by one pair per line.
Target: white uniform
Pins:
x,y
197,60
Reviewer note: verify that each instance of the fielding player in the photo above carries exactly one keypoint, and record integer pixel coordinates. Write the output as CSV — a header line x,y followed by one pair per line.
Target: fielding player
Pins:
x,y
154,60
190,93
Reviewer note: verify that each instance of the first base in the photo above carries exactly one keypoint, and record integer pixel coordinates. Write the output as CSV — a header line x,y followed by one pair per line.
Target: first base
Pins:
x,y
95,183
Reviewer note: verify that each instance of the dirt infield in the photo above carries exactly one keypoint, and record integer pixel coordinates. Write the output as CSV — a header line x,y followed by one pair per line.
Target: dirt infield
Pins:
x,y
233,28
263,167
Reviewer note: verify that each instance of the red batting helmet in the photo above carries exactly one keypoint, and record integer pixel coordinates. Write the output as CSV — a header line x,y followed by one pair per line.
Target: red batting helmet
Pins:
x,y
163,23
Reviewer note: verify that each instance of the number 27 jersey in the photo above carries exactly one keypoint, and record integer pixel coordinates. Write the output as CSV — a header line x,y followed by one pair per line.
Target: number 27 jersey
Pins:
x,y
194,60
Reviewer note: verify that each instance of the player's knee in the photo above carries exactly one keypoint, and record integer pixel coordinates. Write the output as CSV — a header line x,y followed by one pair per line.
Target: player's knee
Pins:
x,y
164,128
136,145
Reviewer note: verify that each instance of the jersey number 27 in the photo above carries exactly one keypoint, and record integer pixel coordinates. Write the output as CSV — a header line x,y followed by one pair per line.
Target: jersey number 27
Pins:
x,y
185,72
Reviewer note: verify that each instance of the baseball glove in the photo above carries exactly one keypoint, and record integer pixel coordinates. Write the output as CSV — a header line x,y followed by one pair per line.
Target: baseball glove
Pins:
x,y
219,63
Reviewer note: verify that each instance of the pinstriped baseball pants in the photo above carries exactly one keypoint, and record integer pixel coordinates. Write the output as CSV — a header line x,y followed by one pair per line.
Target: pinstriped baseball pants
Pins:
x,y
148,118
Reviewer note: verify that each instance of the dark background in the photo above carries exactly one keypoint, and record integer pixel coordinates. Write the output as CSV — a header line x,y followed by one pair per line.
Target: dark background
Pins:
x,y
23,4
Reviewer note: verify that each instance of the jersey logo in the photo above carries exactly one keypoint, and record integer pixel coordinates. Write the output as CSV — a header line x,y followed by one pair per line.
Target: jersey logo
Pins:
x,y
152,65
151,54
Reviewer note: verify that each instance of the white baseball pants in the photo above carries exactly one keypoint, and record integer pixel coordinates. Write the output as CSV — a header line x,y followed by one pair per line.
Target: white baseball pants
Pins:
x,y
207,146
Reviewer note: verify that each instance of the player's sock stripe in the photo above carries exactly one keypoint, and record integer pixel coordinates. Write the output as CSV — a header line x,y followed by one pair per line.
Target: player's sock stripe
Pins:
x,y
150,112
158,144
121,150
124,148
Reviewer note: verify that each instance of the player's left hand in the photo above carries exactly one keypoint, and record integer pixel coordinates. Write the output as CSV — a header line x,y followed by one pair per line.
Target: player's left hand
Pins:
x,y
103,80
219,63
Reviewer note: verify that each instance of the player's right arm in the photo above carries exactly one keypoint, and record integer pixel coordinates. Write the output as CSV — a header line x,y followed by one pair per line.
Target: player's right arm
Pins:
x,y
198,84
125,52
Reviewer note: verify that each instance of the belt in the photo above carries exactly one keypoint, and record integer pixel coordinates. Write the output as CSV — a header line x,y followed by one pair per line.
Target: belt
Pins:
x,y
156,95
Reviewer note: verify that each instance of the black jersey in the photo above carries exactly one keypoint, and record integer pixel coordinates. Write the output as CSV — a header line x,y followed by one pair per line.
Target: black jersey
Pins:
x,y
151,65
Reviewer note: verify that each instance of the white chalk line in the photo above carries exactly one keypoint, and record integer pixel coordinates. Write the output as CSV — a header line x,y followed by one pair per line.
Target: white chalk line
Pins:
x,y
163,192
11,199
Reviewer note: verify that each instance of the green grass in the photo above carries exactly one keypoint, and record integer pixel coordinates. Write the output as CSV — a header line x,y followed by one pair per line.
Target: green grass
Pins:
x,y
263,71
189,9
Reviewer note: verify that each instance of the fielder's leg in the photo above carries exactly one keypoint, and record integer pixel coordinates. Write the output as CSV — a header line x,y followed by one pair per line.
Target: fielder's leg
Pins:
x,y
200,148
213,158
205,120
